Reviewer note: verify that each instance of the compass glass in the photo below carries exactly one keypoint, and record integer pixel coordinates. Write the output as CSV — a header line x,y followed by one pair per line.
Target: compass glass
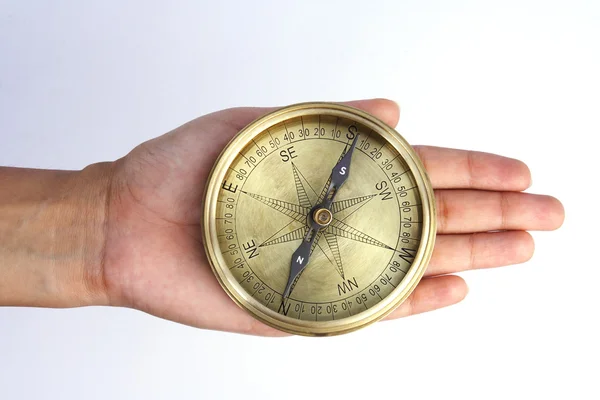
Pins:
x,y
364,254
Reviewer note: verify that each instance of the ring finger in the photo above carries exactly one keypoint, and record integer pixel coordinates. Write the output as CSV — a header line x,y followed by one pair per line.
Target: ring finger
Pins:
x,y
457,253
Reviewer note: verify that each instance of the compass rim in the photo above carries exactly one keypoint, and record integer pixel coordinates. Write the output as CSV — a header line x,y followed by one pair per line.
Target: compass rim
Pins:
x,y
332,327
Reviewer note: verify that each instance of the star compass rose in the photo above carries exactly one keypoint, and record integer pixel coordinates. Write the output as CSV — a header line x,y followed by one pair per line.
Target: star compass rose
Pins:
x,y
333,225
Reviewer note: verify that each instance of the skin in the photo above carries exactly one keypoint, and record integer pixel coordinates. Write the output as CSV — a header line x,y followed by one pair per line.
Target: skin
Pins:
x,y
127,233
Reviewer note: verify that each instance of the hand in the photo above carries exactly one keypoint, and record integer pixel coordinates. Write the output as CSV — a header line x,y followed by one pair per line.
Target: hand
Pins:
x,y
154,259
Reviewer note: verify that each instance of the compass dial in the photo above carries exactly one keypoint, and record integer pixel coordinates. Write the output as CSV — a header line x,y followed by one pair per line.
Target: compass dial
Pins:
x,y
366,242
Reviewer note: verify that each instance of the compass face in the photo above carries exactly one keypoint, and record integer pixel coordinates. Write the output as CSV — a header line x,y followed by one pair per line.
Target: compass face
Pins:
x,y
372,241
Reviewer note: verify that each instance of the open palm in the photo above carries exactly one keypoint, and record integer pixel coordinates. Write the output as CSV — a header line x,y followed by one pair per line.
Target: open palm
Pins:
x,y
154,259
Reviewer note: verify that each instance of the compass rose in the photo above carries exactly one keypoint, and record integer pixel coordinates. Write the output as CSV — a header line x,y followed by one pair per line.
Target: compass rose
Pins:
x,y
297,212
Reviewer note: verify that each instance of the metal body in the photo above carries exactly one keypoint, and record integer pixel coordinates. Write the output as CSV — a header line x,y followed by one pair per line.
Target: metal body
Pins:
x,y
262,194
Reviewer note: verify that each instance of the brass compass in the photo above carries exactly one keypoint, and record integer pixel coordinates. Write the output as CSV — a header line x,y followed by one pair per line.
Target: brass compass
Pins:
x,y
319,219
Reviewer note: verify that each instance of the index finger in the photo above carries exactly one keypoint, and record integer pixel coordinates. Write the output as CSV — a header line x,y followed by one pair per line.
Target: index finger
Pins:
x,y
466,169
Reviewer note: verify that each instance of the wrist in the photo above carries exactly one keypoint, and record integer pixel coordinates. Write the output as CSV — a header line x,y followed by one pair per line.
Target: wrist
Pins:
x,y
52,235
89,197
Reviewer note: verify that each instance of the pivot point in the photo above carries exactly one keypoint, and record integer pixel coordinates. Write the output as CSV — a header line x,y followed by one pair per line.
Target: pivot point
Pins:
x,y
322,217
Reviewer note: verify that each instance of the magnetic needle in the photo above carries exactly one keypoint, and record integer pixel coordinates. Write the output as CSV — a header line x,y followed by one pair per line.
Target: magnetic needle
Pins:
x,y
319,219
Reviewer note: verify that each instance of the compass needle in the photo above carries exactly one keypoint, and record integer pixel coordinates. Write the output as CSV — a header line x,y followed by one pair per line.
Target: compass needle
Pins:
x,y
319,219
320,216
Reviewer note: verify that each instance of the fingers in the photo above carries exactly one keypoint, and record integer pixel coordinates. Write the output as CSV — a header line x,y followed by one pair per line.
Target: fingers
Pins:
x,y
452,168
466,211
431,294
386,110
457,253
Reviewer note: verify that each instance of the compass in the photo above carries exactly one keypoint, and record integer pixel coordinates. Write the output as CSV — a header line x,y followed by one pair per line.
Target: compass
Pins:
x,y
319,219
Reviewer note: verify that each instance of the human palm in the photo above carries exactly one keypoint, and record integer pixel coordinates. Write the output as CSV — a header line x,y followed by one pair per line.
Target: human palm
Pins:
x,y
154,258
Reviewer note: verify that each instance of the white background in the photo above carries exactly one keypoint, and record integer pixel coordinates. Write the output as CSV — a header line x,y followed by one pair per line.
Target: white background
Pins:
x,y
82,82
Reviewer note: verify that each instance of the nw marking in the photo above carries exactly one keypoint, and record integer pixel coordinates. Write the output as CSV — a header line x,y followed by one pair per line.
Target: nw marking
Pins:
x,y
347,286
